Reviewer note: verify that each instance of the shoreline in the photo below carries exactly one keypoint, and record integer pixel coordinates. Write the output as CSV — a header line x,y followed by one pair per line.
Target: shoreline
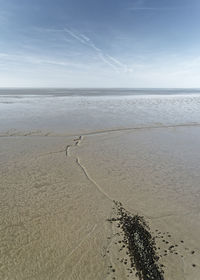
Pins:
x,y
39,133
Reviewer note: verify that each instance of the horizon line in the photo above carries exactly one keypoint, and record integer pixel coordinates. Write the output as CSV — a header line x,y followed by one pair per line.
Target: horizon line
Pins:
x,y
138,88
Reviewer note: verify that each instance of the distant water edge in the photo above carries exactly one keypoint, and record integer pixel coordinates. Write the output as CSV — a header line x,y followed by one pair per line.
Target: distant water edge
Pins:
x,y
97,92
73,111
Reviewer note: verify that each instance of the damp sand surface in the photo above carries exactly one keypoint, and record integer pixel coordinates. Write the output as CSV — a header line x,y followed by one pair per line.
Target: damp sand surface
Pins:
x,y
58,218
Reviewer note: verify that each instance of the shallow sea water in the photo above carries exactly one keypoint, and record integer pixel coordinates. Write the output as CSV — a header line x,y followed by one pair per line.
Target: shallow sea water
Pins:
x,y
78,111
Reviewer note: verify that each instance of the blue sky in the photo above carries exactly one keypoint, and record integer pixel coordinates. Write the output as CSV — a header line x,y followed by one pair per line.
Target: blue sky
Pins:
x,y
100,43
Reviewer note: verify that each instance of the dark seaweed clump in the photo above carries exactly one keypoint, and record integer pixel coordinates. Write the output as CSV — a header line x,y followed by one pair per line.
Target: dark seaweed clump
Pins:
x,y
140,244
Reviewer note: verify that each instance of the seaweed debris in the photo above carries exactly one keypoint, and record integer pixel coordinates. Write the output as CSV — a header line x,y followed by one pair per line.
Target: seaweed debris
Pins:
x,y
140,244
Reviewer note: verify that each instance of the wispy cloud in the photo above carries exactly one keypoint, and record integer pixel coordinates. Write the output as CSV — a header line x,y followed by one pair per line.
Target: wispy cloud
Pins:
x,y
142,5
67,35
151,8
111,61
3,17
7,58
3,55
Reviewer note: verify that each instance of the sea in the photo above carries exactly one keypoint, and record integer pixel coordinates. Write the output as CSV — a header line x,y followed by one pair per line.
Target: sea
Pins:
x,y
75,111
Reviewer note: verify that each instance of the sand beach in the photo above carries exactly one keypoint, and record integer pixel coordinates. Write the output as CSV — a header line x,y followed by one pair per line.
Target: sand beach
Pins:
x,y
105,204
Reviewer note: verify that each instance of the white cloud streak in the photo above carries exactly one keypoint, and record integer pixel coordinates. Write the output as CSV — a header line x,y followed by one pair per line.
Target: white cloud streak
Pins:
x,y
7,58
150,9
112,62
141,5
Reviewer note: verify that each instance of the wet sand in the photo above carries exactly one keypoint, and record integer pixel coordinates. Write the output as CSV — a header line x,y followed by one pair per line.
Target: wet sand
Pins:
x,y
57,201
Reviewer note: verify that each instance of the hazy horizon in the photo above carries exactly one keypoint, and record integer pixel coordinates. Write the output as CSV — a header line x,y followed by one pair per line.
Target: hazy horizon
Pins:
x,y
104,88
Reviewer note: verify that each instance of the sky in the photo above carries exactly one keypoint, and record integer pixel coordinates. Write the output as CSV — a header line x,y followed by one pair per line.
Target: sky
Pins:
x,y
100,43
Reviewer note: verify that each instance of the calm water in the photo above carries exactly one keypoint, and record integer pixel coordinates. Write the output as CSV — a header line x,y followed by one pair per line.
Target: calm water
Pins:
x,y
82,110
